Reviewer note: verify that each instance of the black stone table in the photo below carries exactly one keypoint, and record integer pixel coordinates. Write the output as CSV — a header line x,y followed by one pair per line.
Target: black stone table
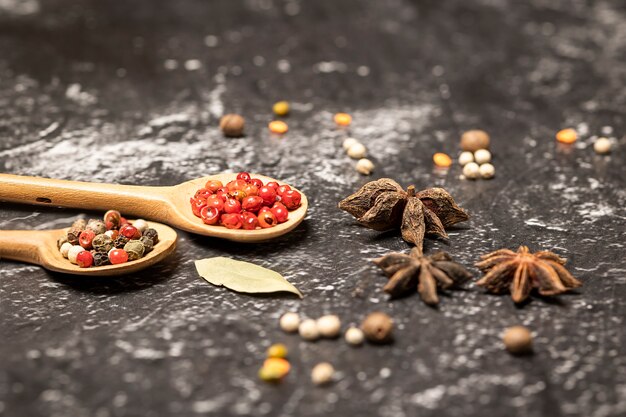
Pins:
x,y
131,92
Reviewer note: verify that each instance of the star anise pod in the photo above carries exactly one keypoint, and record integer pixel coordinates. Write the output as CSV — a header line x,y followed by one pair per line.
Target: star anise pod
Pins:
x,y
384,205
519,272
425,273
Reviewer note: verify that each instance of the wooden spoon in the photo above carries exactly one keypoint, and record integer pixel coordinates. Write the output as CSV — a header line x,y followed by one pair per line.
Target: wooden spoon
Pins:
x,y
39,247
169,205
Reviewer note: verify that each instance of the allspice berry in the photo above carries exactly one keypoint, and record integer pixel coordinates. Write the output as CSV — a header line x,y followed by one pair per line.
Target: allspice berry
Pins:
x,y
473,140
518,340
232,125
377,327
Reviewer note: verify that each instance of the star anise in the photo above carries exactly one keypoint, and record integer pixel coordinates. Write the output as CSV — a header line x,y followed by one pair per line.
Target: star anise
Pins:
x,y
384,205
519,272
424,273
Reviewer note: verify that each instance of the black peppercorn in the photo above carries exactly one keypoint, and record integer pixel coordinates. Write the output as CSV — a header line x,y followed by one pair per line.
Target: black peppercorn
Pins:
x,y
100,258
120,241
152,234
147,243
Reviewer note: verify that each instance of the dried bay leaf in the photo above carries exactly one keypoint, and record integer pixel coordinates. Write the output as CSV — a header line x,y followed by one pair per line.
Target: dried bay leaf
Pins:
x,y
243,276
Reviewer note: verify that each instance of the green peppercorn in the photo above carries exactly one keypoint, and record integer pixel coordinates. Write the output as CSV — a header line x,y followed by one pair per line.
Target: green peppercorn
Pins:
x,y
147,243
135,249
152,234
100,258
102,243
97,226
120,241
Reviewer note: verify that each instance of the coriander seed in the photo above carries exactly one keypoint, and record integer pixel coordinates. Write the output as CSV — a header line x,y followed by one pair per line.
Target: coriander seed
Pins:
x,y
364,166
602,146
329,326
232,125
322,373
348,142
473,140
465,158
487,171
357,151
354,336
482,156
471,171
377,327
518,340
308,330
289,322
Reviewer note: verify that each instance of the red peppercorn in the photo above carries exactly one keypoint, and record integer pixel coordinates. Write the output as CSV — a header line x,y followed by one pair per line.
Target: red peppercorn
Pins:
x,y
251,190
85,238
203,193
84,259
232,206
243,176
113,234
280,212
216,201
291,199
197,205
112,219
213,185
281,190
232,221
123,221
264,209
118,256
223,193
250,221
268,195
210,215
273,184
252,203
256,182
238,195
267,219
236,185
130,231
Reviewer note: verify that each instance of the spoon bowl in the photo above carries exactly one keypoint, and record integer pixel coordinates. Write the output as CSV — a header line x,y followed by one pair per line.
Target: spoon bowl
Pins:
x,y
169,205
39,247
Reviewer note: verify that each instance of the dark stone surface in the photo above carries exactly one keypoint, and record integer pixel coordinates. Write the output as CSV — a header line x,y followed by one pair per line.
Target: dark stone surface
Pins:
x,y
87,93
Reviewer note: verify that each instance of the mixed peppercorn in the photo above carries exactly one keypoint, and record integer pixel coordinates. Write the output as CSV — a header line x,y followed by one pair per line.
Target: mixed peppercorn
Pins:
x,y
244,203
112,240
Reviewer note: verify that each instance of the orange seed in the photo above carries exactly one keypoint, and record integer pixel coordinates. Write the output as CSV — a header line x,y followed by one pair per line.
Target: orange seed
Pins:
x,y
566,136
343,119
442,160
278,126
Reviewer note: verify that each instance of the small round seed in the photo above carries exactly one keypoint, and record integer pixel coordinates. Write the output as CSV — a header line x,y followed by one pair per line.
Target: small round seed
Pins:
x,y
73,252
308,330
277,350
65,248
348,142
357,151
278,127
281,108
482,156
329,326
290,322
322,373
473,140
354,336
377,327
364,166
518,340
471,171
566,136
141,224
232,125
343,119
465,158
442,160
602,146
487,171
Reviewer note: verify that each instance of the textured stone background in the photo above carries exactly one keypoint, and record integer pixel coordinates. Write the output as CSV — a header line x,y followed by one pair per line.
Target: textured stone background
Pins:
x,y
131,92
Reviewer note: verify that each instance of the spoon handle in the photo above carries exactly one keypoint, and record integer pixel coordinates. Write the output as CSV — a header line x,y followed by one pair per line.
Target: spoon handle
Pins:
x,y
21,245
129,199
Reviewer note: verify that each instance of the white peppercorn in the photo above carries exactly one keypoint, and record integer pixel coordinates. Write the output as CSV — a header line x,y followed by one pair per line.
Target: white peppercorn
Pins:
x,y
357,151
364,166
482,156
354,336
322,373
471,171
329,326
465,158
348,142
289,322
487,171
141,224
308,330
602,146
65,248
73,252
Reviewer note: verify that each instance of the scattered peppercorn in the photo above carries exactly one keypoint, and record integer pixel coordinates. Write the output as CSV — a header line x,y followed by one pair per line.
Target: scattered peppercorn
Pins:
x,y
471,171
343,119
465,158
232,125
567,136
487,171
281,108
602,146
357,151
518,340
329,326
377,328
274,369
289,322
482,156
278,126
348,142
322,373
473,140
442,160
308,330
354,336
